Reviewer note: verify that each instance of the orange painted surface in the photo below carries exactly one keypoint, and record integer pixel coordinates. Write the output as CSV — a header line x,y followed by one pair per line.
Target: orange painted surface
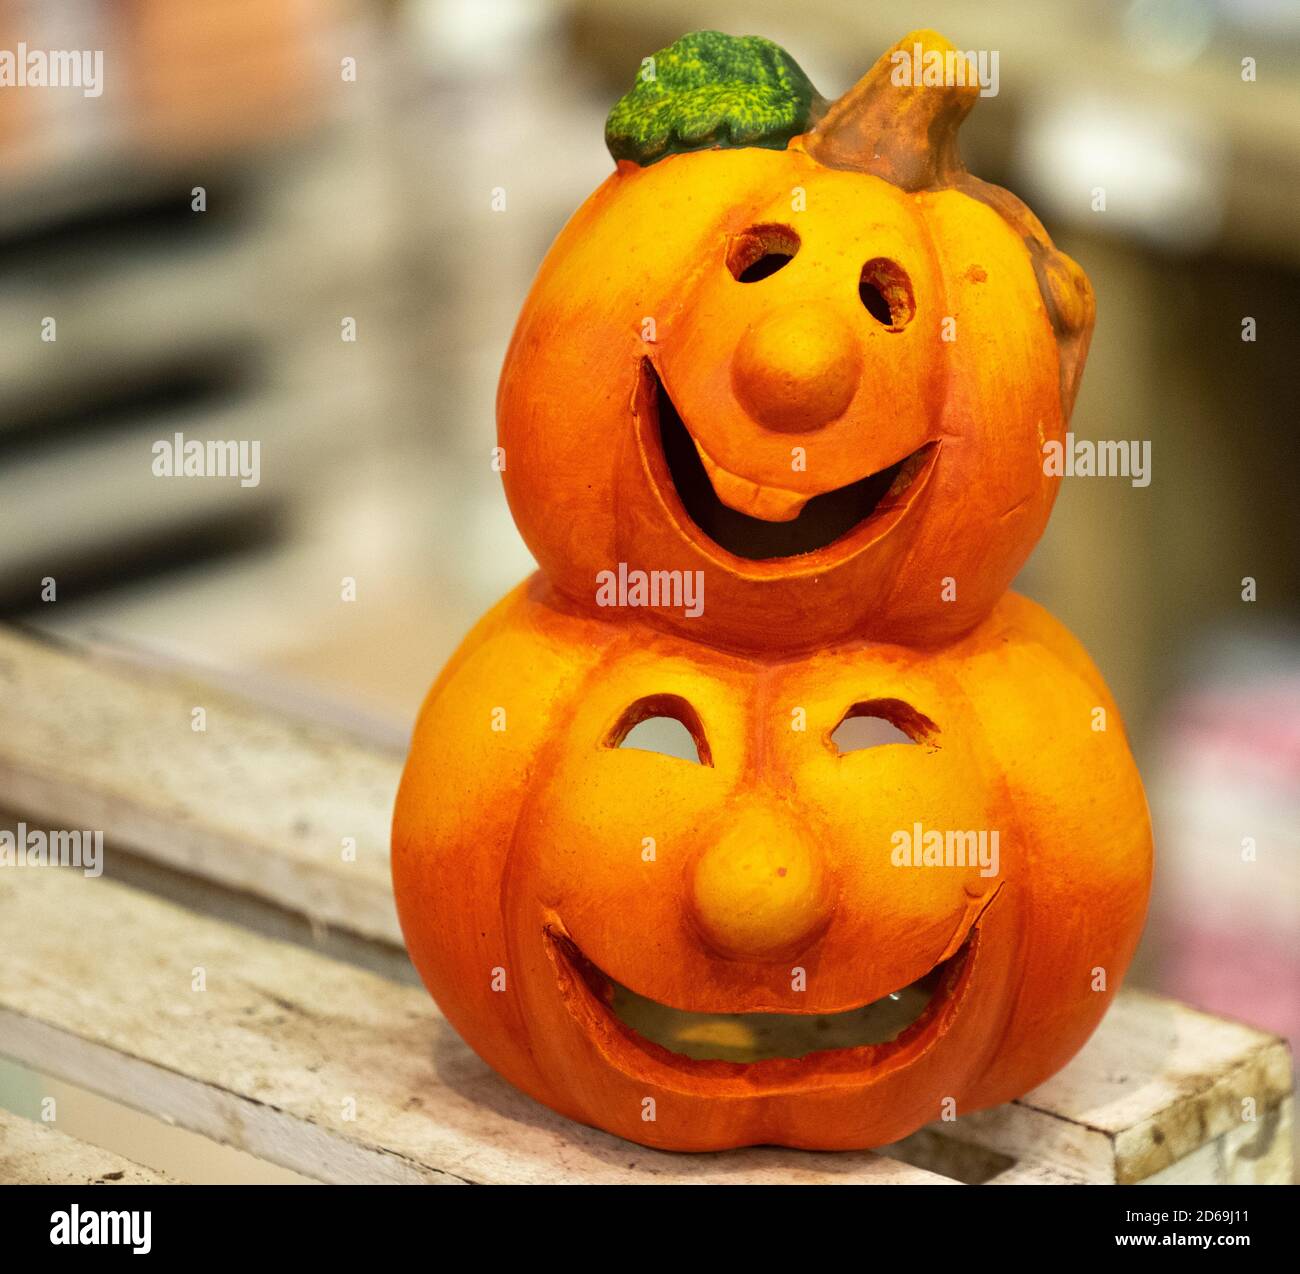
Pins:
x,y
789,388
819,380
518,854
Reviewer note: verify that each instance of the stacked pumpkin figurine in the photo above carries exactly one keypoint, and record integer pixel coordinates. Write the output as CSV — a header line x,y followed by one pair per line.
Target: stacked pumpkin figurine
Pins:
x,y
773,421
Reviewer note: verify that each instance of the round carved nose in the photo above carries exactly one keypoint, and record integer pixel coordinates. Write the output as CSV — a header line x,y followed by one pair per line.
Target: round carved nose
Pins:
x,y
761,890
797,368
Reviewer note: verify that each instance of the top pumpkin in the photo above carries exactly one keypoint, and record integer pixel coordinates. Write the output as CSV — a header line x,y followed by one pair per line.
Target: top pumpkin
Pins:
x,y
799,349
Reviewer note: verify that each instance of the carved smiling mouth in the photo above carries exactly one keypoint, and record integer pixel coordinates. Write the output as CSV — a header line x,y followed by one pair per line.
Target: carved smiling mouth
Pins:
x,y
762,1045
796,526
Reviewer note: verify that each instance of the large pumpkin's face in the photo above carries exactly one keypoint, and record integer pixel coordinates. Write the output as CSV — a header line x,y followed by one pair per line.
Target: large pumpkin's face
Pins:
x,y
746,945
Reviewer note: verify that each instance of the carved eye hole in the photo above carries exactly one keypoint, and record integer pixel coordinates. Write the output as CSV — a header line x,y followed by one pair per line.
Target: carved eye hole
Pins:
x,y
760,252
886,291
666,724
877,723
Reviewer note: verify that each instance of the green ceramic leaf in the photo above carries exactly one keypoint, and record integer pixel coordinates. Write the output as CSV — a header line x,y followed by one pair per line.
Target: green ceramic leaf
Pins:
x,y
711,89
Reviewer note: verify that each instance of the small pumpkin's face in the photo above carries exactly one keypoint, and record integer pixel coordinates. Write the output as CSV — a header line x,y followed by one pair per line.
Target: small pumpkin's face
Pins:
x,y
757,935
837,414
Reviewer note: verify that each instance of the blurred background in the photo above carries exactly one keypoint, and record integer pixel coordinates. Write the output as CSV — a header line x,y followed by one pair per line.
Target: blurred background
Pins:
x,y
364,190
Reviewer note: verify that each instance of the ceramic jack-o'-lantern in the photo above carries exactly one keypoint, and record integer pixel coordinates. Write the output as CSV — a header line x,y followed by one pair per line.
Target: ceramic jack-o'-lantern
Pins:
x,y
775,938
900,864
798,348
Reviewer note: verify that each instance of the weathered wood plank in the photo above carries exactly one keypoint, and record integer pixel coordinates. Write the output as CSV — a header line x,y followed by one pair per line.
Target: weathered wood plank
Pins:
x,y
260,805
327,1069
1248,1154
255,802
33,1154
1157,1082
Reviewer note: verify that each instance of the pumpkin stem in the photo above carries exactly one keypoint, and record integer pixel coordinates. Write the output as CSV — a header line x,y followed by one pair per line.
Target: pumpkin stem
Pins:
x,y
900,120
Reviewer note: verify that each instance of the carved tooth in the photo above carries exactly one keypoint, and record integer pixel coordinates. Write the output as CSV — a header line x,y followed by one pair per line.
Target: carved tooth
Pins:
x,y
772,504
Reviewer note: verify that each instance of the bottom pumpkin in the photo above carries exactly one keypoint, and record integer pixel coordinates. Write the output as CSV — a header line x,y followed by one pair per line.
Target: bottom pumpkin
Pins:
x,y
780,937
